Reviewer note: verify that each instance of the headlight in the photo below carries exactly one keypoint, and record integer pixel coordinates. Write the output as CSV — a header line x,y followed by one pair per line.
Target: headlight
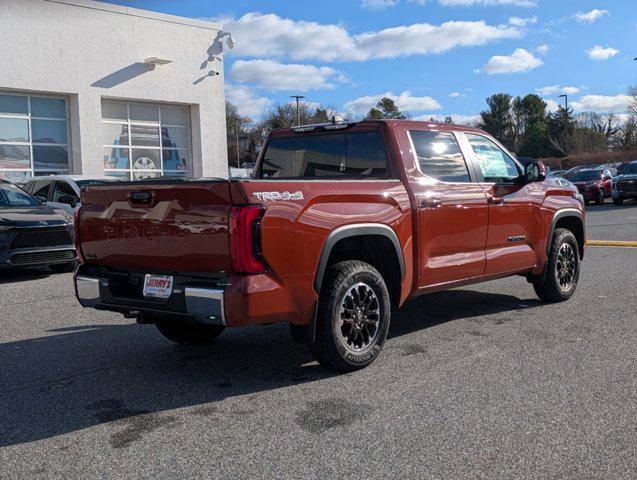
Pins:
x,y
578,196
5,237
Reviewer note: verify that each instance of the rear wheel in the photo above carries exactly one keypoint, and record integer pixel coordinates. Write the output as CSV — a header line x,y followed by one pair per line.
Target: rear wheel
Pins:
x,y
353,317
618,201
186,333
63,267
562,269
600,197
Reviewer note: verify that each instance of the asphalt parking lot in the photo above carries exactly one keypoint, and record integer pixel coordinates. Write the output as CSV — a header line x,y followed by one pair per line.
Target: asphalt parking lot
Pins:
x,y
479,382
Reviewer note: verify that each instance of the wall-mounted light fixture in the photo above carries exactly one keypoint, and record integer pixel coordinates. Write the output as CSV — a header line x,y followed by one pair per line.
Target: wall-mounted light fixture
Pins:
x,y
152,62
231,42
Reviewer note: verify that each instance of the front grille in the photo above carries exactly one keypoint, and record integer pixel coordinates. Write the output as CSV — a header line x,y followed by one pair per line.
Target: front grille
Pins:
x,y
47,237
42,258
627,186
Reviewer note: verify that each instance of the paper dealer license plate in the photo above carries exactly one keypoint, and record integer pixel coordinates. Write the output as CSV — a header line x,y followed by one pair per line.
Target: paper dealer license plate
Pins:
x,y
158,286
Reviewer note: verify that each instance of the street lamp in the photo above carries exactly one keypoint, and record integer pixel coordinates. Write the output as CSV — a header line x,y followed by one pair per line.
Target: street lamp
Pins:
x,y
565,100
298,118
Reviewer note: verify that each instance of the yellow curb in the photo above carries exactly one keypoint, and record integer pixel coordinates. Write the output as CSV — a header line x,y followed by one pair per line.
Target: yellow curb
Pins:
x,y
612,243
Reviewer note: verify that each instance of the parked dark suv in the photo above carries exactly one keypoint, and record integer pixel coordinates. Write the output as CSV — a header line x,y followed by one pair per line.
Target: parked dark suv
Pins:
x,y
625,184
32,234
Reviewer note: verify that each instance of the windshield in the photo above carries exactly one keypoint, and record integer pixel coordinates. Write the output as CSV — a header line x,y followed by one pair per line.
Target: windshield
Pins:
x,y
586,176
630,169
95,183
12,196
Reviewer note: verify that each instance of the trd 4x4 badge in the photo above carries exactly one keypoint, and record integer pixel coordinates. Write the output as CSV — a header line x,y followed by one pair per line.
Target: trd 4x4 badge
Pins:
x,y
279,195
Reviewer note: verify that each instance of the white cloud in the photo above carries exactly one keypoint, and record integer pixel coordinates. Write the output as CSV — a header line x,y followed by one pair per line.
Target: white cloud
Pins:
x,y
543,49
519,61
406,102
590,17
551,105
522,22
600,53
457,94
555,89
488,3
458,118
377,4
276,76
602,103
268,36
247,102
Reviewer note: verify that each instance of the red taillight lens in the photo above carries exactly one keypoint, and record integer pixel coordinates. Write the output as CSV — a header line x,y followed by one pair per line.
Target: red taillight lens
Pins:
x,y
76,235
245,239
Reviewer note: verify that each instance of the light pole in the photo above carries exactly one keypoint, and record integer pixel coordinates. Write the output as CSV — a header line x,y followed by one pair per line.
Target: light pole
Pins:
x,y
566,101
298,97
566,124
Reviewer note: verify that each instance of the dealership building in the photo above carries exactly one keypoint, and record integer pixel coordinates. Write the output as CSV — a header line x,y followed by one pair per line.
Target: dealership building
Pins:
x,y
98,89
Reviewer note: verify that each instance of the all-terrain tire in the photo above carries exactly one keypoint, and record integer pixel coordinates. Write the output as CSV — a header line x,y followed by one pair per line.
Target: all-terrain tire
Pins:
x,y
599,199
186,333
354,306
562,269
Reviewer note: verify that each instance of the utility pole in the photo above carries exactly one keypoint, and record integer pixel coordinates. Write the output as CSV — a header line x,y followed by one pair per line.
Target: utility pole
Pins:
x,y
298,118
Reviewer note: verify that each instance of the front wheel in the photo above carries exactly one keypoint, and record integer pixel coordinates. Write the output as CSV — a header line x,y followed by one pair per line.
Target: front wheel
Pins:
x,y
618,201
353,317
600,198
562,269
186,333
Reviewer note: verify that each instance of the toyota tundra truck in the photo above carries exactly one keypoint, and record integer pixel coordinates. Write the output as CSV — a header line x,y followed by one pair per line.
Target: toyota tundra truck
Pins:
x,y
340,224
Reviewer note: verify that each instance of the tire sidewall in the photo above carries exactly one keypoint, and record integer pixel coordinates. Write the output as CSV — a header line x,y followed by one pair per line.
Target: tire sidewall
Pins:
x,y
376,283
569,239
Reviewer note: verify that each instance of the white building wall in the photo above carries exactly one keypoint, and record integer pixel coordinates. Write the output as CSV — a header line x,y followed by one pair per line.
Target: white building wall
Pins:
x,y
92,50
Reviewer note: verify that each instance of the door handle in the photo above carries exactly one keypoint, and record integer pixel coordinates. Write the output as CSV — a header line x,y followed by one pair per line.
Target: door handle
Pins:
x,y
493,200
431,202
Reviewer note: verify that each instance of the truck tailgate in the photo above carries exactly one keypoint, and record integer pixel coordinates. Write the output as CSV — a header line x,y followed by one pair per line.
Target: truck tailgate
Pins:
x,y
180,226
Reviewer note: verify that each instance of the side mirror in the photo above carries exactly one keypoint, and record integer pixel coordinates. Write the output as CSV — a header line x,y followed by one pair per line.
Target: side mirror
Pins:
x,y
68,200
534,172
42,200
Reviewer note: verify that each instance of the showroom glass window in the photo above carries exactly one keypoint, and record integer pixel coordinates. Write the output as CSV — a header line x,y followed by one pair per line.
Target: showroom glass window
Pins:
x,y
34,136
143,141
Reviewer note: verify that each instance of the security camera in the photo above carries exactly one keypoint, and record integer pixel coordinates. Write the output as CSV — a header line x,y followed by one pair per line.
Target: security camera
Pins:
x,y
213,73
231,42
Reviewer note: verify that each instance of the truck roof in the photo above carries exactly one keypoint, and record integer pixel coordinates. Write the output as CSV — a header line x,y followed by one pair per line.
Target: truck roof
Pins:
x,y
366,124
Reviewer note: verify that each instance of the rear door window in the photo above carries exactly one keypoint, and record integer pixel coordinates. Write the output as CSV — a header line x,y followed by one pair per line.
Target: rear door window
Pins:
x,y
351,155
41,189
439,156
63,188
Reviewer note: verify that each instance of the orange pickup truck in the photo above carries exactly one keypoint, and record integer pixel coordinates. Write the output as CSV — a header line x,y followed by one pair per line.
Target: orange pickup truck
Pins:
x,y
340,224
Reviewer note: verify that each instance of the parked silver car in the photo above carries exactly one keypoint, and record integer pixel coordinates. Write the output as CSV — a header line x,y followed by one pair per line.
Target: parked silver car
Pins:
x,y
62,192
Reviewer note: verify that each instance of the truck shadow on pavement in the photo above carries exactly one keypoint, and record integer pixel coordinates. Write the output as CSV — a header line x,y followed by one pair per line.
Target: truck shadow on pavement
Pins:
x,y
23,275
79,377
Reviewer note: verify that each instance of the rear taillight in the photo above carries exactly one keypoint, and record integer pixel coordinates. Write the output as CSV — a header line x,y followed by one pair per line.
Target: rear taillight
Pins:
x,y
76,235
245,239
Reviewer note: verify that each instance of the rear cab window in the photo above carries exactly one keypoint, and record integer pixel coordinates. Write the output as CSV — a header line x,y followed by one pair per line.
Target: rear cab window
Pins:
x,y
439,156
326,155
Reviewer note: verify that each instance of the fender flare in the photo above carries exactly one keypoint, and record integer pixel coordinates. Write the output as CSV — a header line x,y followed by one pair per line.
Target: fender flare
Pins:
x,y
356,230
566,212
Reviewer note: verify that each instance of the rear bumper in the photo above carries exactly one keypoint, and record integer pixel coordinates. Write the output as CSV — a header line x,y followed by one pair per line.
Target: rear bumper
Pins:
x,y
202,305
232,301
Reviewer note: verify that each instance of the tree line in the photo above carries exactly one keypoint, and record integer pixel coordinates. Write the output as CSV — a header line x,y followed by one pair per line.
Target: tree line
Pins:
x,y
523,124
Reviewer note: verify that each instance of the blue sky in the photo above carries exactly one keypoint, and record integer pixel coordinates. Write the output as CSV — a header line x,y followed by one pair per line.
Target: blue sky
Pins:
x,y
435,57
